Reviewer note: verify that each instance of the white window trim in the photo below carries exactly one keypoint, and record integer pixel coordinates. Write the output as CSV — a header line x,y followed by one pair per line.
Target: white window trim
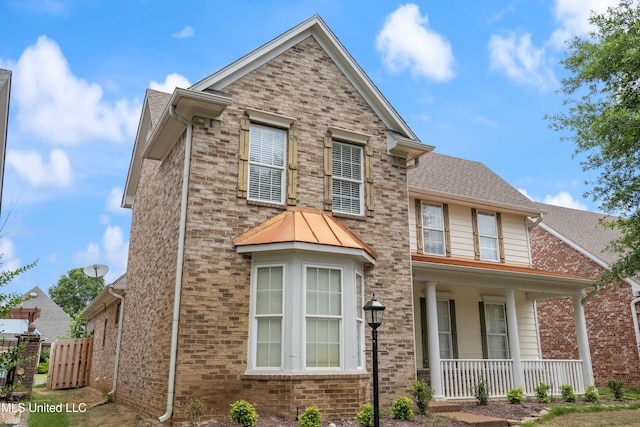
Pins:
x,y
450,334
282,169
269,119
359,182
423,204
494,238
294,295
496,301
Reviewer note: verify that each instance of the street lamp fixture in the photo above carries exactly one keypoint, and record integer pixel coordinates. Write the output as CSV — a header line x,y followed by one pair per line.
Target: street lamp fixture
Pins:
x,y
374,312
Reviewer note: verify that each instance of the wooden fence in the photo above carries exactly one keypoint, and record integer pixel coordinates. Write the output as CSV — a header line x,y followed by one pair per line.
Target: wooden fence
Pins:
x,y
70,363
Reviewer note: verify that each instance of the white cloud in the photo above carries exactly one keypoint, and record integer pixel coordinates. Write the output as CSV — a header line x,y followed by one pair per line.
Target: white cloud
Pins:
x,y
406,42
9,262
171,82
521,61
29,165
56,106
113,252
114,200
565,199
184,33
573,18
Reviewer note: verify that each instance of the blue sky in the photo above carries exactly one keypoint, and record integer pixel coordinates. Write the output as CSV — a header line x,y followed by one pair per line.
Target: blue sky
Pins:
x,y
474,78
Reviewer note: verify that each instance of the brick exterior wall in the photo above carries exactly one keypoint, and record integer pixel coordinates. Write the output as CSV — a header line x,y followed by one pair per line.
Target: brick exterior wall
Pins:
x,y
104,347
304,83
608,315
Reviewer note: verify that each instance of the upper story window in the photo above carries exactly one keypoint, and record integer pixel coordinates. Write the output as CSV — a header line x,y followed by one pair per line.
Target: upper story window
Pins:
x,y
433,229
348,182
488,236
267,156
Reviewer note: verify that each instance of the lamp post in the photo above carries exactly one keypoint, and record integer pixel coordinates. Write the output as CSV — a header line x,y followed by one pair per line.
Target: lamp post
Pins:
x,y
374,311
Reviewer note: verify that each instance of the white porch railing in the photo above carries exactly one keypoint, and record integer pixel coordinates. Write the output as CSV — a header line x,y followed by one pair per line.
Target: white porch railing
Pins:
x,y
460,376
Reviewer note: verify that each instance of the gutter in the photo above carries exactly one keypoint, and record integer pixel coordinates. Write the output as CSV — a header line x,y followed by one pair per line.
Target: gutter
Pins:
x,y
179,262
120,318
634,313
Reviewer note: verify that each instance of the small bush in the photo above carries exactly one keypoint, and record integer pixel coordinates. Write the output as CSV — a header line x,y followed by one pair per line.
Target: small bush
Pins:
x,y
567,393
591,394
514,396
243,413
43,368
481,392
542,393
311,417
195,408
401,409
616,388
422,393
365,417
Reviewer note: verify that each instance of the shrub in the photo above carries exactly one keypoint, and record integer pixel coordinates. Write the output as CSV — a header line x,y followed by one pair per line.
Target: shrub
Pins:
x,y
243,413
616,388
422,393
365,417
311,417
195,408
567,393
43,368
481,392
591,394
401,409
514,396
542,392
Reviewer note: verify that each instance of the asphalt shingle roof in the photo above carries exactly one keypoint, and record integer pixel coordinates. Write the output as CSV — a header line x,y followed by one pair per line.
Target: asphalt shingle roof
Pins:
x,y
157,103
53,321
466,180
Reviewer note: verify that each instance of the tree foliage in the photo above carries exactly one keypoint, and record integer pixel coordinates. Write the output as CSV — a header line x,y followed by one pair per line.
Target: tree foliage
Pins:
x,y
75,290
602,117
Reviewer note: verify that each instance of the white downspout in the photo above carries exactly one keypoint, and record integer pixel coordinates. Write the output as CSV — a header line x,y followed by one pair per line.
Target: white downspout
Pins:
x,y
120,316
634,312
179,261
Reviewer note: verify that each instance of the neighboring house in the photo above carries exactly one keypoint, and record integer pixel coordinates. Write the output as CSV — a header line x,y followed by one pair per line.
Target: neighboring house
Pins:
x,y
5,90
103,319
574,242
53,322
475,287
270,202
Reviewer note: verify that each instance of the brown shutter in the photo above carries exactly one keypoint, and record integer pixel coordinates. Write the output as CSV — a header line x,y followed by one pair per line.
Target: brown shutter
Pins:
x,y
483,331
368,179
454,328
425,337
500,236
243,157
328,171
292,170
420,235
476,240
447,229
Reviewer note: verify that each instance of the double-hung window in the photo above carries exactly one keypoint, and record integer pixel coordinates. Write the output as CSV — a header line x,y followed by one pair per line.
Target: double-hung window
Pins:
x,y
268,314
495,324
359,320
348,178
433,229
323,317
267,161
488,236
447,340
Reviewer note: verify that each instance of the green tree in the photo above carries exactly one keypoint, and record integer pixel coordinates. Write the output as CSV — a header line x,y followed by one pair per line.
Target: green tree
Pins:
x,y
75,290
602,96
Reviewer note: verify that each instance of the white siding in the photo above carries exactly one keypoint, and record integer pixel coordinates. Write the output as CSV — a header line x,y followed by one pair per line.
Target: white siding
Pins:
x,y
461,231
516,242
413,230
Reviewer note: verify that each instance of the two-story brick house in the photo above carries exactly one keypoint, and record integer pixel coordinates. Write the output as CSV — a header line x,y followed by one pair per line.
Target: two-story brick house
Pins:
x,y
270,201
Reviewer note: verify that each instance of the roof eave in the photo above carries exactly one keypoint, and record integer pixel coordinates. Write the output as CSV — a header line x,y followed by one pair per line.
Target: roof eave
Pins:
x,y
285,246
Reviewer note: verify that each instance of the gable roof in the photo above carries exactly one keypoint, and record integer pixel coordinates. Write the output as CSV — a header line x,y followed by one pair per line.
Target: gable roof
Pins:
x,y
5,89
582,231
53,321
466,181
156,134
297,228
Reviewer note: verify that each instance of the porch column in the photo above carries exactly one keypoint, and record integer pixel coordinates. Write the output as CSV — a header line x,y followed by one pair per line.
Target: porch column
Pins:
x,y
433,341
514,338
583,340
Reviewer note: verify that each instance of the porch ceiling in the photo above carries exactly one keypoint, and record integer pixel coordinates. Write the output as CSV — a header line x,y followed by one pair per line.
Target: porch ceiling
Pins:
x,y
537,284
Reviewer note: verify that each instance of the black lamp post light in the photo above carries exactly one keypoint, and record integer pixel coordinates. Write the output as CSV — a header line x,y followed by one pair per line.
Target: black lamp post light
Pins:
x,y
374,311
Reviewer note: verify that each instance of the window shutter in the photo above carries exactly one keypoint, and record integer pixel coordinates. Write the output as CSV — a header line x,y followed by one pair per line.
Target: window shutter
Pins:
x,y
420,235
328,182
447,230
243,157
500,237
368,179
425,338
292,170
483,331
476,240
454,329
